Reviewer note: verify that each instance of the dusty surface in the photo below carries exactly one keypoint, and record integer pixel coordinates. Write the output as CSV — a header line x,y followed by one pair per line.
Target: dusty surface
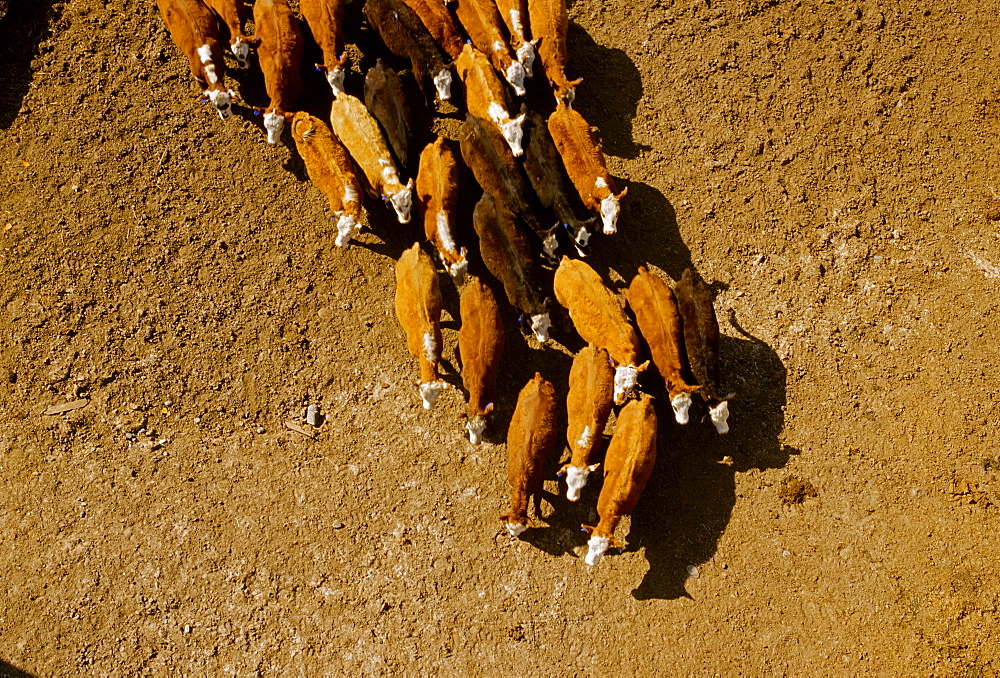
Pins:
x,y
829,167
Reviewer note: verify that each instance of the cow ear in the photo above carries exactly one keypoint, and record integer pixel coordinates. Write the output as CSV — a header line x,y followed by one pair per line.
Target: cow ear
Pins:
x,y
489,408
642,367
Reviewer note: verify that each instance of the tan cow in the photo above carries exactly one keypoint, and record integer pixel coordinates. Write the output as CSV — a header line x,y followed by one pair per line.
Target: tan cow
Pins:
x,y
591,391
326,21
234,13
280,54
656,314
584,162
530,440
627,467
514,14
483,24
600,320
701,339
357,129
480,343
549,26
418,308
386,100
330,168
437,191
195,31
485,97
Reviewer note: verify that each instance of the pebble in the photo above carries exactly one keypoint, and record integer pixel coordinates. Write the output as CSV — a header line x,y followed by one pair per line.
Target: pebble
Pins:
x,y
260,430
187,628
312,415
168,403
337,525
197,420
693,571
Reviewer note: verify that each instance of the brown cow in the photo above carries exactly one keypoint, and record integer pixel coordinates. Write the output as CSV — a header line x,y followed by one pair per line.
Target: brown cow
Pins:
x,y
505,251
195,30
480,343
530,440
584,162
549,25
356,128
406,36
326,21
439,23
484,26
627,467
280,54
600,320
591,391
386,100
330,168
701,338
418,308
655,311
437,191
234,13
514,14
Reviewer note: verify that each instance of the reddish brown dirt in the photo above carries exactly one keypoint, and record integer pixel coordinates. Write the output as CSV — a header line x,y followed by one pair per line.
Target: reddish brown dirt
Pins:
x,y
830,168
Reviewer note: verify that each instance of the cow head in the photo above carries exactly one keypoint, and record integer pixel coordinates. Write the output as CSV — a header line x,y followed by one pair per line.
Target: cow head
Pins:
x,y
335,76
512,130
626,377
720,416
515,76
681,403
459,269
540,327
576,479
347,228
402,202
550,244
274,123
596,548
581,238
241,50
515,529
477,424
222,102
526,55
429,392
610,208
442,82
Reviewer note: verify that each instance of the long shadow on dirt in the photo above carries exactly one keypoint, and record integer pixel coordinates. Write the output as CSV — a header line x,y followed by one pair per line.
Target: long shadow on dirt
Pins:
x,y
8,671
610,91
25,25
690,498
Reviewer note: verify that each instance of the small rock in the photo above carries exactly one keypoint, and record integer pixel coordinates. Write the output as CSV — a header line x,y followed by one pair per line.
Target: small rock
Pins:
x,y
187,628
337,525
168,403
693,572
260,430
197,420
313,417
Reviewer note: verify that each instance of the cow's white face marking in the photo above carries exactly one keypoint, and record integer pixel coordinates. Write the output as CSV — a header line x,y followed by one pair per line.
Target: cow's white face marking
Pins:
x,y
609,214
347,228
720,416
222,102
681,404
512,132
580,240
402,202
430,391
550,244
336,79
515,530
540,326
626,377
241,50
515,76
576,480
596,548
442,82
476,425
274,123
526,55
459,269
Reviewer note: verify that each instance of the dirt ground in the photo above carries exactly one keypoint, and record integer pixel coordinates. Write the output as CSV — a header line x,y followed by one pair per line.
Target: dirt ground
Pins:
x,y
831,170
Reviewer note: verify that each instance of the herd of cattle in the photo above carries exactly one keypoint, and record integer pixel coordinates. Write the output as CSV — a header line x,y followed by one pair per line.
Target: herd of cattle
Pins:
x,y
484,42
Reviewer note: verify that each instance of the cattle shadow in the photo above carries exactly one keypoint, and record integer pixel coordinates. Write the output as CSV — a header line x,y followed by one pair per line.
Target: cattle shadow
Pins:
x,y
9,671
690,497
610,92
22,29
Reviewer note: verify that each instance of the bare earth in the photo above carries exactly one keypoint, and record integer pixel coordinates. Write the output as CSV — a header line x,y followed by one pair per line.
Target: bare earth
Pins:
x,y
830,168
